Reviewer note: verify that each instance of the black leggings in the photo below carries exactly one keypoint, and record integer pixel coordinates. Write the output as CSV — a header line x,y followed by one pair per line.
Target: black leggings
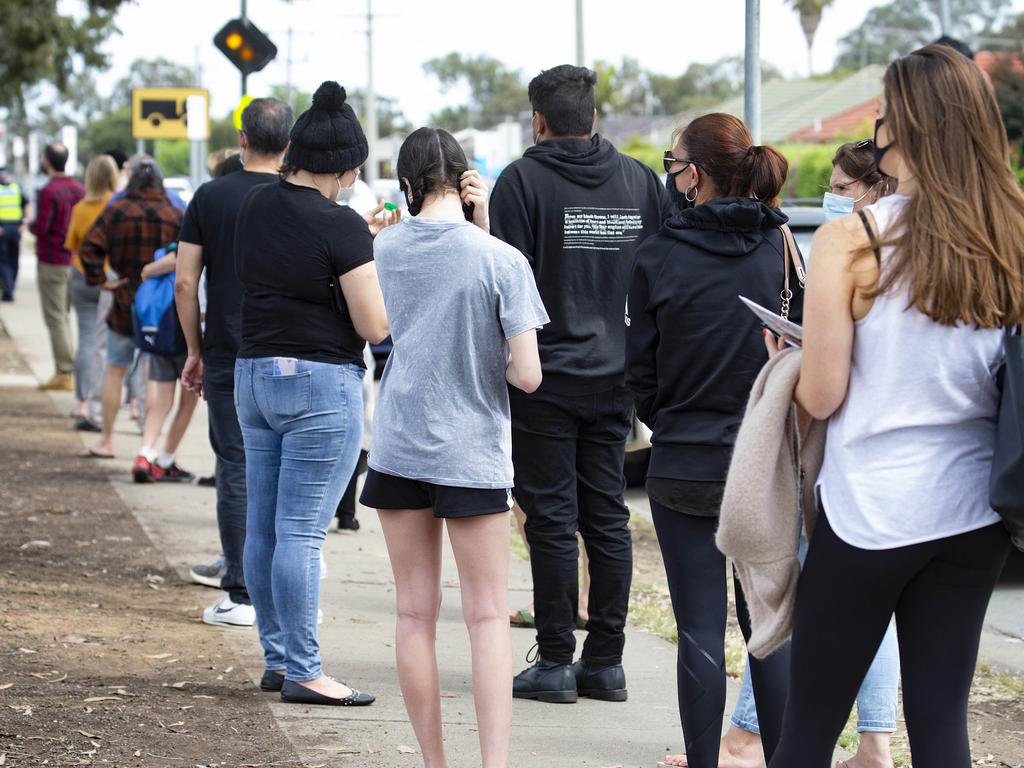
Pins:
x,y
938,590
696,581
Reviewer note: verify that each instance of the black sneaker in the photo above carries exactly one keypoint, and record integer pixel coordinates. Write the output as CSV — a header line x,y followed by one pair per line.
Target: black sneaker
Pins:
x,y
175,474
546,681
82,424
605,682
207,482
347,524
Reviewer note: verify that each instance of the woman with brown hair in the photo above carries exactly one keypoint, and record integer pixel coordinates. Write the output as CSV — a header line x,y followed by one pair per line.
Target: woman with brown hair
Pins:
x,y
856,181
692,354
907,306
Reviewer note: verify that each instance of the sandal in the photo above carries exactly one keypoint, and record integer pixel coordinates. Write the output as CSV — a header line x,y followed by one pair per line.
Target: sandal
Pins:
x,y
522,618
92,453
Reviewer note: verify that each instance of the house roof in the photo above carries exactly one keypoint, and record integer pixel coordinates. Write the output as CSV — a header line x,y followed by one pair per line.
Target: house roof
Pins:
x,y
831,129
987,60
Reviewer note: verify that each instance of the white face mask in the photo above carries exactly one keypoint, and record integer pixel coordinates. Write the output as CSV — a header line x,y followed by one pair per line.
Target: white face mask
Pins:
x,y
344,193
837,205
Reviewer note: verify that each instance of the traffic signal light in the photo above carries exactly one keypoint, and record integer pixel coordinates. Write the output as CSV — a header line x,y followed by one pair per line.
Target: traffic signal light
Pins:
x,y
245,46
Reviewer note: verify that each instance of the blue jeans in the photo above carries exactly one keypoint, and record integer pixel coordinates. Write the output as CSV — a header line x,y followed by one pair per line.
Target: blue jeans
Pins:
x,y
302,434
877,699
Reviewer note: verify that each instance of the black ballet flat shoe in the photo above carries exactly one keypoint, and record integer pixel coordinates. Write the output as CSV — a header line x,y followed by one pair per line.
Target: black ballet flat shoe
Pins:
x,y
294,693
272,681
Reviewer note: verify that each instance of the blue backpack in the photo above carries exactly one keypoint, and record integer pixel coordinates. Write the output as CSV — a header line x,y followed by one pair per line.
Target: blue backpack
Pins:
x,y
155,317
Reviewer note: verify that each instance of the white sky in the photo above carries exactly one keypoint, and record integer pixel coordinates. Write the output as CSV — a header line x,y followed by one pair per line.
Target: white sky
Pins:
x,y
329,39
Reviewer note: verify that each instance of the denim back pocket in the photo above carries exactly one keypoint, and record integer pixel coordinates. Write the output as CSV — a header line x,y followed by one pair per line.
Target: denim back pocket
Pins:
x,y
289,396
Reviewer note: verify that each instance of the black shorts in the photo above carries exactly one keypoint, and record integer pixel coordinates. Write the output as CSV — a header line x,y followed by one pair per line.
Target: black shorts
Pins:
x,y
383,491
164,368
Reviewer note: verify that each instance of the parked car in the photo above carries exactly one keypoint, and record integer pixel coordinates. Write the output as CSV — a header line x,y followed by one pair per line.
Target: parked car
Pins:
x,y
181,185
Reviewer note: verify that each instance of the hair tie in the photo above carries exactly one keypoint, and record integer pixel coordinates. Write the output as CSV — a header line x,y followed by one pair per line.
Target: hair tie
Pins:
x,y
750,150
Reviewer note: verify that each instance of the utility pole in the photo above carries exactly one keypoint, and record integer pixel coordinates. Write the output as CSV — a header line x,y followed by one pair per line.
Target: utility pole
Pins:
x,y
244,15
945,19
288,70
752,70
371,99
579,34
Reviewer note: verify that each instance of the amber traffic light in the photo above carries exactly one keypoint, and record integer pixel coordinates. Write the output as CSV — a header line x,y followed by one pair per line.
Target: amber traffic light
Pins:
x,y
245,46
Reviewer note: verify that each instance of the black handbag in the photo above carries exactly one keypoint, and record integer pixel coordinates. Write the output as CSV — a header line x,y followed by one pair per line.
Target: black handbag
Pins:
x,y
1006,485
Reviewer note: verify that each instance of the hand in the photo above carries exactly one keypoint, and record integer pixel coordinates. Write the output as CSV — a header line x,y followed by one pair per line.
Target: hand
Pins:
x,y
381,218
192,374
474,192
147,271
774,344
113,285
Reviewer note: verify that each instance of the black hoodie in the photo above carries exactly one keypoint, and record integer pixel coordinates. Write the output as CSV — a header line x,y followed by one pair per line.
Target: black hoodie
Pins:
x,y
693,349
578,210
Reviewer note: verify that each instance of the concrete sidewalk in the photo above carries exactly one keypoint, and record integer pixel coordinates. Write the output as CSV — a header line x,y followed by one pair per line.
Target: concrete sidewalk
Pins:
x,y
357,636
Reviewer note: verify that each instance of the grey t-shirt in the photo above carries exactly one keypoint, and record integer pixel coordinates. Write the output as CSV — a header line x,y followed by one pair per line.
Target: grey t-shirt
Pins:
x,y
454,296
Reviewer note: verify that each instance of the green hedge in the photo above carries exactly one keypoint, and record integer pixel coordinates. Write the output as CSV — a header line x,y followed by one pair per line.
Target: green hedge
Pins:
x,y
810,166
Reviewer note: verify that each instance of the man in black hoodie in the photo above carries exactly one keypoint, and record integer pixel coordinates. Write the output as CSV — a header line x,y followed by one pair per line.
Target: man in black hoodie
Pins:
x,y
578,210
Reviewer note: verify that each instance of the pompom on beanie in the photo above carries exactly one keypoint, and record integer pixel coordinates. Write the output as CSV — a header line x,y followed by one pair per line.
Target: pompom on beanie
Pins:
x,y
327,137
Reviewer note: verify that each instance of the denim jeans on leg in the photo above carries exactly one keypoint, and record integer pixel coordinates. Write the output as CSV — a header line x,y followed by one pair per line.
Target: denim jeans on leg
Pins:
x,y
302,436
85,301
877,699
226,441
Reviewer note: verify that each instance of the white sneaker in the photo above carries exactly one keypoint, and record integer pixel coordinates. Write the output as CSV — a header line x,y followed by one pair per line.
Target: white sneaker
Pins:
x,y
225,613
323,566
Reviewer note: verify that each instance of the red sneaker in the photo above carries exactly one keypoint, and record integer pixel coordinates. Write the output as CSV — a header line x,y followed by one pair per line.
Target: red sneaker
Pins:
x,y
174,474
146,471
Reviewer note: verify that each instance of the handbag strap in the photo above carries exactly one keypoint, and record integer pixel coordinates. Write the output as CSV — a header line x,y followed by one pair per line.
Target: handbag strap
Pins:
x,y
872,238
790,254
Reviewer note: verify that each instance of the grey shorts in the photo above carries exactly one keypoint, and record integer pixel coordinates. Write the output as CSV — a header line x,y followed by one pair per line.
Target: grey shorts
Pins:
x,y
165,368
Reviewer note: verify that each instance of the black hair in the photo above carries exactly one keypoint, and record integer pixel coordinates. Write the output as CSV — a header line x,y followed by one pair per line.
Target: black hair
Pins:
x,y
266,124
564,96
230,164
120,158
56,157
145,176
957,45
431,160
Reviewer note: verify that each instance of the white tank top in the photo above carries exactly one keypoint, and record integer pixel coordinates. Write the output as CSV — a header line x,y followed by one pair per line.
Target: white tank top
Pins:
x,y
909,452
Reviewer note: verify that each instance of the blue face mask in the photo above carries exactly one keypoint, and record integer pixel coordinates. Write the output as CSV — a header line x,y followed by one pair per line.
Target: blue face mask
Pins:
x,y
836,205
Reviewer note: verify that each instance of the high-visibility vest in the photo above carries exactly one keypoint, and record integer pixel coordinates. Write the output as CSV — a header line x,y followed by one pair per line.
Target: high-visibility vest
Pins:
x,y
10,203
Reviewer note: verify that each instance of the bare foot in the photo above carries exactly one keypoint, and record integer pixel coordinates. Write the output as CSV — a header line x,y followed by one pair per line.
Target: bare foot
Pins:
x,y
328,686
674,760
740,749
872,752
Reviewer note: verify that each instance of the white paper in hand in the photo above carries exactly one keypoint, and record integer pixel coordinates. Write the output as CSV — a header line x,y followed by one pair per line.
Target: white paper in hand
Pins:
x,y
776,323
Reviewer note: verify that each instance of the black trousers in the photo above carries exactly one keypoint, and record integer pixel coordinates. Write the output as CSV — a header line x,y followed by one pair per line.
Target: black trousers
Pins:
x,y
696,582
10,247
568,452
347,505
938,590
226,441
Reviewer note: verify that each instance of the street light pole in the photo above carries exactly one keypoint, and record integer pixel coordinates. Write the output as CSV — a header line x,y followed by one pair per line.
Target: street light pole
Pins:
x,y
945,18
579,34
752,70
244,15
371,99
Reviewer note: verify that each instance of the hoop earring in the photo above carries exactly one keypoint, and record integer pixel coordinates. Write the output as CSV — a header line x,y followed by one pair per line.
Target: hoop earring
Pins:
x,y
686,194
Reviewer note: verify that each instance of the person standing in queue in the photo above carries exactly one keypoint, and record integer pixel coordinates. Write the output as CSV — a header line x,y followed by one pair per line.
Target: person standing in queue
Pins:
x,y
692,354
908,307
464,312
310,299
207,242
578,210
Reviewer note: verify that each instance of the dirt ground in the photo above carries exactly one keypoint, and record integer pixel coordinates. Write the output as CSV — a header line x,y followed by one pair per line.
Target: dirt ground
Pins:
x,y
102,659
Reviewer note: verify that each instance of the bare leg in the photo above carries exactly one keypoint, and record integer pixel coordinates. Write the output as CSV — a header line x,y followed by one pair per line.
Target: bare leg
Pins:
x,y
584,599
481,553
161,398
413,537
739,749
113,379
873,751
182,417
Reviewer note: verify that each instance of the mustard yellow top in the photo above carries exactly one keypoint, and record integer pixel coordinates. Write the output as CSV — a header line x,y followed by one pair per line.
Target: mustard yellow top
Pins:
x,y
83,216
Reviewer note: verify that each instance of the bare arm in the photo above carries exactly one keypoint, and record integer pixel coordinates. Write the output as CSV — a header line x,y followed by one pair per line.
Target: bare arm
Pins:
x,y
186,298
163,266
830,309
523,370
365,302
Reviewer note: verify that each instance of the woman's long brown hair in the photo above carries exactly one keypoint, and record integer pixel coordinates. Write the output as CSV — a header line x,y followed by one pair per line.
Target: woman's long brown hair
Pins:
x,y
959,241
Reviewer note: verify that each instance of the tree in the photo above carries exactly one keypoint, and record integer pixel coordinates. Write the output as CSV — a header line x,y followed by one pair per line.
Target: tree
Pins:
x,y
39,43
150,73
896,29
810,16
495,92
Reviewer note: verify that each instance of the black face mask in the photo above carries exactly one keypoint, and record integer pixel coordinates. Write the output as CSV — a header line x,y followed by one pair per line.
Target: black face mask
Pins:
x,y
878,151
679,200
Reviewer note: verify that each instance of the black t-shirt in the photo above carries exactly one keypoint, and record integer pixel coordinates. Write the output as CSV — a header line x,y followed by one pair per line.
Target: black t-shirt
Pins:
x,y
210,223
291,245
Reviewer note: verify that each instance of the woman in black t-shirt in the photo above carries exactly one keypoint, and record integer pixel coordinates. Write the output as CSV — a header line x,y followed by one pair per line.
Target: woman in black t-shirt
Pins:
x,y
310,299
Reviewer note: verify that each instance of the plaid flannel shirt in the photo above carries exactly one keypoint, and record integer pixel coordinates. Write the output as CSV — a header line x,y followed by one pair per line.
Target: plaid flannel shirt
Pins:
x,y
126,234
53,214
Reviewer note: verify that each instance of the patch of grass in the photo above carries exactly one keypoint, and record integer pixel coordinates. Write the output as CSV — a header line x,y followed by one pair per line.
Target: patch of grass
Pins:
x,y
994,686
516,541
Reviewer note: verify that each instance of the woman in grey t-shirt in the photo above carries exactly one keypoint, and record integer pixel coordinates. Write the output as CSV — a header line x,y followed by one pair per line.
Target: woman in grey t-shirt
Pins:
x,y
464,311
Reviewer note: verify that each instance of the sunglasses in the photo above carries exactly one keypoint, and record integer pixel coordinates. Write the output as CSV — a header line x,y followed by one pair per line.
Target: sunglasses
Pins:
x,y
669,160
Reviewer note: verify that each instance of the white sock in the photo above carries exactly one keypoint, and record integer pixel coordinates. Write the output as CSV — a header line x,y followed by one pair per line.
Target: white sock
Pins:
x,y
164,460
148,454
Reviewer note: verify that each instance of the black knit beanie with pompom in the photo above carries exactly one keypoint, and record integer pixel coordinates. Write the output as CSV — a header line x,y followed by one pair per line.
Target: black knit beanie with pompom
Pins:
x,y
327,137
